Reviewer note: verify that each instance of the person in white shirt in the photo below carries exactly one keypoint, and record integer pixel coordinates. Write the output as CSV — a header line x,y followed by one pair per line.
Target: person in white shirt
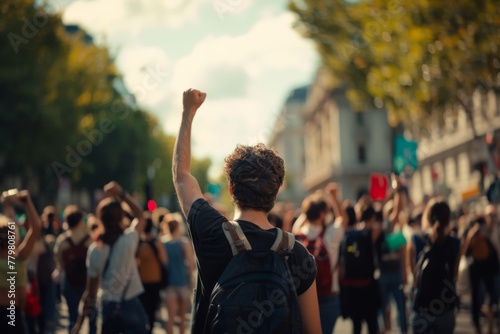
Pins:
x,y
111,266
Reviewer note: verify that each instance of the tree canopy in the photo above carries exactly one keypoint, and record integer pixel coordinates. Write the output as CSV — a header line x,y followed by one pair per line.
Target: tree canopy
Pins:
x,y
418,59
61,116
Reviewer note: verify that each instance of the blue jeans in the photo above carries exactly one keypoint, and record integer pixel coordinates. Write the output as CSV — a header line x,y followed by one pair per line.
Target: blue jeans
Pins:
x,y
73,295
429,324
391,284
132,314
329,311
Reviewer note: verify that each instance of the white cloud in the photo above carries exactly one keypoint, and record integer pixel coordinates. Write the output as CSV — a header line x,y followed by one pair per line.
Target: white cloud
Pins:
x,y
268,50
247,76
147,73
122,20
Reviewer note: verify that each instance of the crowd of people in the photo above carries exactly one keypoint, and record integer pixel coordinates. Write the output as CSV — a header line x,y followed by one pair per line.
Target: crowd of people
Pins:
x,y
138,260
265,268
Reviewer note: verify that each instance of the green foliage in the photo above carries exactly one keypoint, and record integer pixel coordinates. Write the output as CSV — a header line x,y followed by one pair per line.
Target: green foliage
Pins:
x,y
199,169
416,58
61,117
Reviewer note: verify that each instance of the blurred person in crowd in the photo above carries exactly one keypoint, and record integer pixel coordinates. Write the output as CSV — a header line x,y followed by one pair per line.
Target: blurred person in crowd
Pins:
x,y
111,266
70,254
93,227
181,265
275,220
52,224
41,267
483,269
491,216
435,273
392,262
157,216
13,306
320,242
359,252
151,257
255,175
416,243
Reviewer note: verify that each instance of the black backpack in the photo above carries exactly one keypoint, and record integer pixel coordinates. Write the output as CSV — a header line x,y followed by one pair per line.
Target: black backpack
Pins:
x,y
256,291
357,259
434,271
74,258
46,264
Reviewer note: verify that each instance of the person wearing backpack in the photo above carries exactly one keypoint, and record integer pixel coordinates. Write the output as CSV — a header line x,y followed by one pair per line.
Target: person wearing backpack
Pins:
x,y
151,261
435,274
181,265
312,235
483,268
70,253
111,266
359,290
252,277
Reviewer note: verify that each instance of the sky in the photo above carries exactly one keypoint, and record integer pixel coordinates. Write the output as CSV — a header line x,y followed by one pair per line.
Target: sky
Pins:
x,y
245,54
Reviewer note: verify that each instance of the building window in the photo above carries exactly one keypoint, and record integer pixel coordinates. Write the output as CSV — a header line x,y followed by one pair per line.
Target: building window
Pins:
x,y
361,153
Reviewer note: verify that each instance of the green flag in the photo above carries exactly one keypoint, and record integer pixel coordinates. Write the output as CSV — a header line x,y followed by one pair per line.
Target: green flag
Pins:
x,y
405,155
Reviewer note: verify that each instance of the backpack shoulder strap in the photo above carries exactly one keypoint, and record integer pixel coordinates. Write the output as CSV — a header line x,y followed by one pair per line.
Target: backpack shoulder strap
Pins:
x,y
278,240
235,236
284,243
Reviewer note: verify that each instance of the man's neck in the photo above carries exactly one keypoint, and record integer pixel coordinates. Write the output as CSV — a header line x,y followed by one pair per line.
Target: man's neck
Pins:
x,y
259,218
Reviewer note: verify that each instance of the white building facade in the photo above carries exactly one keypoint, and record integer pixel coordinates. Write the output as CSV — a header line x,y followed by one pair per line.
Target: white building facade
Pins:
x,y
451,160
341,145
287,137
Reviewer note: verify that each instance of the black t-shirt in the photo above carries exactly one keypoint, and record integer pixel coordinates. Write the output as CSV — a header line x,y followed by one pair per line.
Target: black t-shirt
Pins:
x,y
213,253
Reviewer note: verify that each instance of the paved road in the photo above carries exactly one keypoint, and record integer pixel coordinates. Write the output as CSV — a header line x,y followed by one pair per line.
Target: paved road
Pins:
x,y
463,325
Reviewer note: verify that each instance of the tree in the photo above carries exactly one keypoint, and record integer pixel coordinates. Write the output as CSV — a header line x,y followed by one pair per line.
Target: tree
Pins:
x,y
62,117
419,59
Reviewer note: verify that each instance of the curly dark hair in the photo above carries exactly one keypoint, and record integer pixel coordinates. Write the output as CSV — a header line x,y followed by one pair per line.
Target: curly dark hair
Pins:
x,y
255,174
313,206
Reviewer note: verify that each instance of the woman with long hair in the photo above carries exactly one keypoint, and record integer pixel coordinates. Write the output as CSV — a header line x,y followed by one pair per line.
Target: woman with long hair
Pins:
x,y
181,265
111,265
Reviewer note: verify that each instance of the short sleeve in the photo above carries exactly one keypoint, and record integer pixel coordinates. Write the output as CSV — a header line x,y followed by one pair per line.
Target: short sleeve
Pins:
x,y
203,220
96,260
302,267
132,235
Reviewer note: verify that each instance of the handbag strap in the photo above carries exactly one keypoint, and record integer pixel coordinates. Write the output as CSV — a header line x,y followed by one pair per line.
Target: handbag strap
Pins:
x,y
106,266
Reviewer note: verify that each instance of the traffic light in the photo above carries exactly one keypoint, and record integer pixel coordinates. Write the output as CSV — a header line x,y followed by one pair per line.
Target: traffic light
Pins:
x,y
151,205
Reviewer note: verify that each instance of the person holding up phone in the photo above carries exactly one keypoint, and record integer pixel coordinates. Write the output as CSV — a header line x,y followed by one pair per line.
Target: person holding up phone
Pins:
x,y
13,286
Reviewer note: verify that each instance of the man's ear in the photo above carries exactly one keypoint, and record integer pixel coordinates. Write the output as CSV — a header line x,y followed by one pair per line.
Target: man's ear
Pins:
x,y
230,190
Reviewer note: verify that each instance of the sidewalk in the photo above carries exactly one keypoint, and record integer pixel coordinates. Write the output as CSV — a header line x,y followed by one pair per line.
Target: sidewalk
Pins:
x,y
463,322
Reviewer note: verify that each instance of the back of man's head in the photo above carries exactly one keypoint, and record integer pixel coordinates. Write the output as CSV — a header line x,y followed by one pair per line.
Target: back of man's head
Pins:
x,y
73,215
313,206
255,174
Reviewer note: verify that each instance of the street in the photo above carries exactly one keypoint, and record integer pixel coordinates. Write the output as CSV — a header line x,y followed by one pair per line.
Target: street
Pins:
x,y
343,326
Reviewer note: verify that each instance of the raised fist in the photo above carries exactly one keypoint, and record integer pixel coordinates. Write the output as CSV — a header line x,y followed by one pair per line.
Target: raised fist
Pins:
x,y
113,189
192,100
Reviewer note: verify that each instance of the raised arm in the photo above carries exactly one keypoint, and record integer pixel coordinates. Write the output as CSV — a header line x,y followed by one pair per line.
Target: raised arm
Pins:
x,y
33,226
186,186
332,190
397,204
114,189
